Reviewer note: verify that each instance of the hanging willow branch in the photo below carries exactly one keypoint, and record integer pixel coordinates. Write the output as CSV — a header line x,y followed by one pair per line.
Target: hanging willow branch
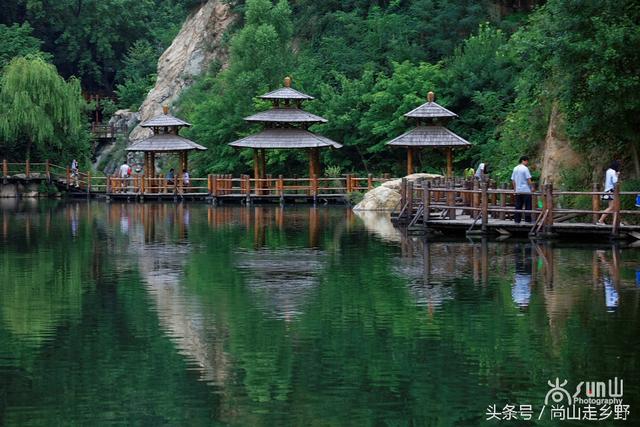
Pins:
x,y
39,110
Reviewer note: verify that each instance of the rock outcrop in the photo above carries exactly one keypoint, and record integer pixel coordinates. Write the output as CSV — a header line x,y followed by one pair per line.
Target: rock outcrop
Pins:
x,y
387,196
557,154
197,45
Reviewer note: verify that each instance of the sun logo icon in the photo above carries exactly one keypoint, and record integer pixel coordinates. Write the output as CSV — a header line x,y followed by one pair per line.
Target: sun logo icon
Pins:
x,y
557,392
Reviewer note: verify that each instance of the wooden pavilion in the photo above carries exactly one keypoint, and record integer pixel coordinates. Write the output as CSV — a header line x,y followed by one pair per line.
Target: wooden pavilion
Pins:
x,y
285,127
430,132
165,139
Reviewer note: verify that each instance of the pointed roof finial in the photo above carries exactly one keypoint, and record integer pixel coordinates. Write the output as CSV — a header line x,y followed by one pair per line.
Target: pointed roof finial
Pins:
x,y
430,96
287,81
165,109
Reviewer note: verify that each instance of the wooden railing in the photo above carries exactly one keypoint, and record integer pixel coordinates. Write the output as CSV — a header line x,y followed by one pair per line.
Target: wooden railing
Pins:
x,y
448,200
212,185
99,130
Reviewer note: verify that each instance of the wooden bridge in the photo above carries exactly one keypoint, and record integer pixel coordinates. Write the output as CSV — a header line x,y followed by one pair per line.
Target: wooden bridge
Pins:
x,y
213,188
477,208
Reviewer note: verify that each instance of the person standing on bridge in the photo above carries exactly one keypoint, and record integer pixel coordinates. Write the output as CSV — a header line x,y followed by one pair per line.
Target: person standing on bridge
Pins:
x,y
186,181
125,172
74,172
610,182
482,173
521,178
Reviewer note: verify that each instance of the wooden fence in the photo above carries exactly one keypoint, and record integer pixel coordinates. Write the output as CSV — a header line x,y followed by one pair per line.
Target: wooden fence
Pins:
x,y
472,203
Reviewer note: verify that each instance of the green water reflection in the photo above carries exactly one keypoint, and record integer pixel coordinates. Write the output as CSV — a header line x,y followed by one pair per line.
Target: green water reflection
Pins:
x,y
162,314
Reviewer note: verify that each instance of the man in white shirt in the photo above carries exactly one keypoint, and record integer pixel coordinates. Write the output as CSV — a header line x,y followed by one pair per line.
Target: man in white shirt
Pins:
x,y
125,171
521,178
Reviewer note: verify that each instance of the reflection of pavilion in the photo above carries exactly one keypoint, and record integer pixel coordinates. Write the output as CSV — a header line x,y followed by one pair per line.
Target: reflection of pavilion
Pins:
x,y
283,277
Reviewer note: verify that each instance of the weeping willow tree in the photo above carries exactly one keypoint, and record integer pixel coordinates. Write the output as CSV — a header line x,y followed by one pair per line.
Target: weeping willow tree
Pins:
x,y
41,114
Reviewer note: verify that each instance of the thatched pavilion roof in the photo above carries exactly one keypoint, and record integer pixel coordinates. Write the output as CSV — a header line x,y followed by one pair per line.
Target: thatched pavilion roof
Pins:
x,y
429,136
286,93
285,115
431,110
164,120
285,138
165,142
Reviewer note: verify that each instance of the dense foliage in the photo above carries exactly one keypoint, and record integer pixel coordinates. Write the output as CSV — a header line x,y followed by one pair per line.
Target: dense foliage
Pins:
x,y
43,116
501,66
90,38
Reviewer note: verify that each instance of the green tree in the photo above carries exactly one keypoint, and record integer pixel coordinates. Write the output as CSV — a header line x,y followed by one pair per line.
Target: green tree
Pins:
x,y
138,74
42,114
17,40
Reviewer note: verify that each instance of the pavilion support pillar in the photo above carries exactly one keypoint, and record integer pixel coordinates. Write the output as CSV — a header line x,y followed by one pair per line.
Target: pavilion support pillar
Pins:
x,y
184,162
410,160
314,162
263,163
256,164
449,162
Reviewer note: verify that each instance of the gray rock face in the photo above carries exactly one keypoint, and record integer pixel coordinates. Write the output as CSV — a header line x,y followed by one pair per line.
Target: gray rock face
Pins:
x,y
197,45
125,118
387,196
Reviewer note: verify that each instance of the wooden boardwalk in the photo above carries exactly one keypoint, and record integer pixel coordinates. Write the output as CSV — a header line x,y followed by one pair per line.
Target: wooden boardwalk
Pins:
x,y
473,208
213,188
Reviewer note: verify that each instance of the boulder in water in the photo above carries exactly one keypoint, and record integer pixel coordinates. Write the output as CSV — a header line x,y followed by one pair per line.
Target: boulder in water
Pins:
x,y
386,197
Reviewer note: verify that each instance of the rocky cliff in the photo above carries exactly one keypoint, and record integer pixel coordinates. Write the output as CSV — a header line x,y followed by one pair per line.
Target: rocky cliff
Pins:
x,y
557,154
197,45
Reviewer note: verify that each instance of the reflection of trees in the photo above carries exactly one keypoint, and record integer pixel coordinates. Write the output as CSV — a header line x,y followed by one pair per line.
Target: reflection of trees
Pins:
x,y
41,273
360,349
106,360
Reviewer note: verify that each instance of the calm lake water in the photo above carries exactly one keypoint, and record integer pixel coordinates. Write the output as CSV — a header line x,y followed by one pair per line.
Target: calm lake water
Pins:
x,y
163,314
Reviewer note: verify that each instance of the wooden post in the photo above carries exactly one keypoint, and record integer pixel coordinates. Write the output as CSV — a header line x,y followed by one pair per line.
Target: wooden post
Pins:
x,y
47,169
449,162
214,185
549,206
314,160
5,168
370,182
485,205
280,186
451,199
348,186
475,200
595,203
409,191
409,160
503,201
247,185
184,161
142,186
426,200
89,182
314,185
210,184
27,168
256,164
